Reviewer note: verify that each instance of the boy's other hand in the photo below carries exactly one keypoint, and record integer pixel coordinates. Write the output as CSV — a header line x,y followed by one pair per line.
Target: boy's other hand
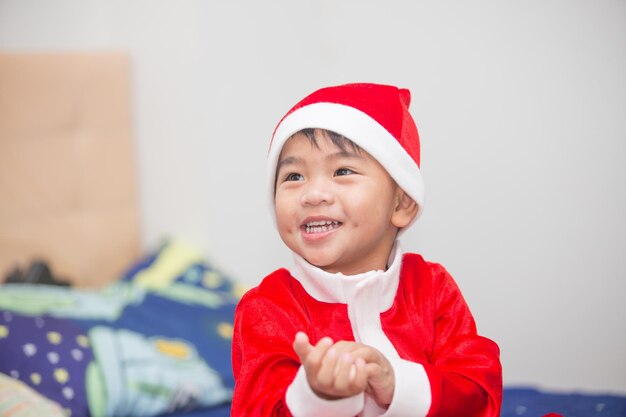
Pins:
x,y
380,376
332,370
381,380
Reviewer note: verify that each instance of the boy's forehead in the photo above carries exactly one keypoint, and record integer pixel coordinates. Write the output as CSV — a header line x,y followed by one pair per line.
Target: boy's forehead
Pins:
x,y
320,137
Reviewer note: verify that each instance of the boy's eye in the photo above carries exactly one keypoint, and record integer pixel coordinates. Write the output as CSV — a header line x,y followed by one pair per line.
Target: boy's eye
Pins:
x,y
343,171
294,176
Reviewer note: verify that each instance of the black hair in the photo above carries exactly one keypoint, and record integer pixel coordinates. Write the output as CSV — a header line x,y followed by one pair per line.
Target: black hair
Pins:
x,y
338,140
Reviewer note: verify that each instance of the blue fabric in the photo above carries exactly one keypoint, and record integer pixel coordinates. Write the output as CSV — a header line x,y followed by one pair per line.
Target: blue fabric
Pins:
x,y
48,354
535,403
219,411
155,342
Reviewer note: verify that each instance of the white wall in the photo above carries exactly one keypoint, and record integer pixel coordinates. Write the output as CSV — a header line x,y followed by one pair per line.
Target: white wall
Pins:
x,y
521,107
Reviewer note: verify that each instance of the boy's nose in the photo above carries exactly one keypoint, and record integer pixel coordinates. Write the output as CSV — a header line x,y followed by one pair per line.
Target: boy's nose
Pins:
x,y
317,193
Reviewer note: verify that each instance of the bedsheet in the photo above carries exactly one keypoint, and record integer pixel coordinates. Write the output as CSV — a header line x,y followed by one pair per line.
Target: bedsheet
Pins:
x,y
531,402
526,402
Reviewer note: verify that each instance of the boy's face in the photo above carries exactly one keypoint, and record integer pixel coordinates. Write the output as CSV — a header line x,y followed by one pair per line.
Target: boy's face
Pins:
x,y
335,208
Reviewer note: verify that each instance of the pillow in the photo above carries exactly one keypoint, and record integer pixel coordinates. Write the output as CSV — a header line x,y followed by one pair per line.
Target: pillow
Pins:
x,y
16,398
48,354
176,262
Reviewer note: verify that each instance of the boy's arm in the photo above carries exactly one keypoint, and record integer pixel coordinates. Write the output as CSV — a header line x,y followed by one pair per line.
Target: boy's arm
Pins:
x,y
462,374
446,390
262,366
268,375
464,369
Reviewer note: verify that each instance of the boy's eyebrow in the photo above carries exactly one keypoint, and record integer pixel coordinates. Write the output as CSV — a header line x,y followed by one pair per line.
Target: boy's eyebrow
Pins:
x,y
290,160
293,160
344,154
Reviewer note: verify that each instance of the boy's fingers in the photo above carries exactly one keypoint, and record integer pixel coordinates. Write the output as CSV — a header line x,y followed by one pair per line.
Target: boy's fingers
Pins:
x,y
344,346
360,375
351,377
301,345
381,383
374,371
368,354
316,353
319,350
344,372
326,373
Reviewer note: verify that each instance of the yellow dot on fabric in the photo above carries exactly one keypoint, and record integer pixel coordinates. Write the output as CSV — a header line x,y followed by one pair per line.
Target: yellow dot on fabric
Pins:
x,y
82,340
212,279
35,378
67,412
4,332
225,330
239,290
173,348
54,337
61,375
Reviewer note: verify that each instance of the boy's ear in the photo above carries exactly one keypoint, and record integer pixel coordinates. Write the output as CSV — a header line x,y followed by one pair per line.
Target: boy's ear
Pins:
x,y
405,210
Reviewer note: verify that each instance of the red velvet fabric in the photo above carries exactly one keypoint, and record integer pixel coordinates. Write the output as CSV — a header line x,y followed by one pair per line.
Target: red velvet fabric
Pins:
x,y
429,323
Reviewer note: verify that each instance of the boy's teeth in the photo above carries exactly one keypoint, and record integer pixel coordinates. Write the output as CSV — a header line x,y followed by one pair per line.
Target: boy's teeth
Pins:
x,y
320,223
320,226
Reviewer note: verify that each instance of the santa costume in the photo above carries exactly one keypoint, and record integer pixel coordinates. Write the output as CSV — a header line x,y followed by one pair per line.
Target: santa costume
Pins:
x,y
413,312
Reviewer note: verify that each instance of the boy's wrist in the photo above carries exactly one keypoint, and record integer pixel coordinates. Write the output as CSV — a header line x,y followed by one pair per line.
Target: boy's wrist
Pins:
x,y
302,401
412,394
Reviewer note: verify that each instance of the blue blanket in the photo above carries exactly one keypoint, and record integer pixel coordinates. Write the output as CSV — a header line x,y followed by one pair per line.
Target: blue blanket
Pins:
x,y
519,401
155,342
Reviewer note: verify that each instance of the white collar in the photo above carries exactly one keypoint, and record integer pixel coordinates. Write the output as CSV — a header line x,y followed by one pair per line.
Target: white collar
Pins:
x,y
345,289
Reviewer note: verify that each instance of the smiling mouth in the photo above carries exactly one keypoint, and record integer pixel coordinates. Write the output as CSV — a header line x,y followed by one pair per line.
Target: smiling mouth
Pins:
x,y
321,226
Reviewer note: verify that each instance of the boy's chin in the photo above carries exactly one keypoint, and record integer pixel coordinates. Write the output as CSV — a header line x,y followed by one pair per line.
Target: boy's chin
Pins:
x,y
319,264
313,262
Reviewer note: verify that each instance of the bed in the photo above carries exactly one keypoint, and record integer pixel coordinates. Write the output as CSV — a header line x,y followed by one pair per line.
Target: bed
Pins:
x,y
157,341
110,329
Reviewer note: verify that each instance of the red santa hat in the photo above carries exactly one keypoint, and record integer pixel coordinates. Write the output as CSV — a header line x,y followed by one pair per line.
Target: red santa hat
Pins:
x,y
373,116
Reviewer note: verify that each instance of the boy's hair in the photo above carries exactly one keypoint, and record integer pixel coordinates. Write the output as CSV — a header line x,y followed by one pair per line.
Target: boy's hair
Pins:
x,y
340,141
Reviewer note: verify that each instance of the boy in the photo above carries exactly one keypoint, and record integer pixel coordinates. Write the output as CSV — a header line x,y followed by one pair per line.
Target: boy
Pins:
x,y
356,327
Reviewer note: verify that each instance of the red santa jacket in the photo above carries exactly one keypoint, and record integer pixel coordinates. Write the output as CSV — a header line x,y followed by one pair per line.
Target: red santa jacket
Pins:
x,y
426,320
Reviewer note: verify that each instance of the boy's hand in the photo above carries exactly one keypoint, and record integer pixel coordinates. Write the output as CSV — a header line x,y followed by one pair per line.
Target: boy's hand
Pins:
x,y
331,370
381,380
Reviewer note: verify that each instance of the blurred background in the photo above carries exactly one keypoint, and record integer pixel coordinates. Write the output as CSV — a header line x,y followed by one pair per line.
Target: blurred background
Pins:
x,y
521,107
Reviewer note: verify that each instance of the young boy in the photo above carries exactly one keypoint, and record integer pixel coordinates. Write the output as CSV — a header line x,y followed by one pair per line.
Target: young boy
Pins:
x,y
357,327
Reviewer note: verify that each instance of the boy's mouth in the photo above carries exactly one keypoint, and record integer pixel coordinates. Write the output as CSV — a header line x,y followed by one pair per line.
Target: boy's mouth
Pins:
x,y
320,226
